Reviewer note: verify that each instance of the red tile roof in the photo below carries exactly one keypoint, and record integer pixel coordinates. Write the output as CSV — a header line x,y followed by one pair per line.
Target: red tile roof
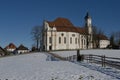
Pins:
x,y
63,24
10,46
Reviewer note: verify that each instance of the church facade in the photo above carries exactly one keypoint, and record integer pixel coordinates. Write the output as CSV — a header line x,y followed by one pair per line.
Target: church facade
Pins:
x,y
61,34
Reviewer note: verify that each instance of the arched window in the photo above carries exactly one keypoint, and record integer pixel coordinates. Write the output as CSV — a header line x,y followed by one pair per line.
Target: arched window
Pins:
x,y
65,40
75,40
59,40
50,40
70,40
84,41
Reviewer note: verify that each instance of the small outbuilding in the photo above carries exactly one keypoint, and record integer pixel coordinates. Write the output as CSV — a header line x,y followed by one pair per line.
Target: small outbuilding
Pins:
x,y
10,48
22,49
104,41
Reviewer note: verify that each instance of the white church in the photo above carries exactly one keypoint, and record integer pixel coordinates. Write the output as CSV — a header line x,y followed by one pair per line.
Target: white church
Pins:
x,y
61,34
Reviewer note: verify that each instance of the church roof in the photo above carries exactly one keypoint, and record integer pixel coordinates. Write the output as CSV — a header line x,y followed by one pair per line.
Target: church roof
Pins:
x,y
63,24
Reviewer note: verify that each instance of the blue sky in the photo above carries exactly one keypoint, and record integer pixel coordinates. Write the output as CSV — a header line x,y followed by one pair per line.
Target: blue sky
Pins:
x,y
18,17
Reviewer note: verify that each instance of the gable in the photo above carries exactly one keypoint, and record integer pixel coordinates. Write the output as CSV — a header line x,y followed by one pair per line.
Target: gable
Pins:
x,y
10,46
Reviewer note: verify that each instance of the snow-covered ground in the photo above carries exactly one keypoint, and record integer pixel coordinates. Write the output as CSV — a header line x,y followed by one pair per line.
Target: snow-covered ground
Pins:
x,y
38,66
108,53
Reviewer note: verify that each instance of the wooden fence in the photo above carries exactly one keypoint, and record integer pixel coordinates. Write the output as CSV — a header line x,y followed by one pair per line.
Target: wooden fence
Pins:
x,y
103,60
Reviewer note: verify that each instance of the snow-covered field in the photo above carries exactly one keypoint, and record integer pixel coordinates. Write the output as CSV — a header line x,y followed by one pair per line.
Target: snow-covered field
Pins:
x,y
38,66
108,53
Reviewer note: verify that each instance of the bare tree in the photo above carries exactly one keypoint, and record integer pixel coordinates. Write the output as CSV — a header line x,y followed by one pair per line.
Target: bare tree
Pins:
x,y
99,36
112,38
96,36
115,38
37,36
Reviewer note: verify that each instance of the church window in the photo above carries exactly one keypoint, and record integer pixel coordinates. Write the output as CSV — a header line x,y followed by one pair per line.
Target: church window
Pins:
x,y
84,42
62,34
75,40
50,40
73,35
70,40
64,39
59,40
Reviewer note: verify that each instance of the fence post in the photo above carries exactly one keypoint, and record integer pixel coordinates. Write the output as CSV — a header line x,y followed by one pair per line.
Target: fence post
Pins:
x,y
87,57
78,55
73,57
90,58
103,60
67,58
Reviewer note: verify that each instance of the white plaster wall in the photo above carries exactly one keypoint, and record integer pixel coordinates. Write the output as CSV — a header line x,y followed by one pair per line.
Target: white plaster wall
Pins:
x,y
69,45
48,44
22,51
10,50
61,45
73,45
104,43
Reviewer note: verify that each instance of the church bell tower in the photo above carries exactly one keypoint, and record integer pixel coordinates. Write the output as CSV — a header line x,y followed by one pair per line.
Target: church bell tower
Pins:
x,y
88,26
88,23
